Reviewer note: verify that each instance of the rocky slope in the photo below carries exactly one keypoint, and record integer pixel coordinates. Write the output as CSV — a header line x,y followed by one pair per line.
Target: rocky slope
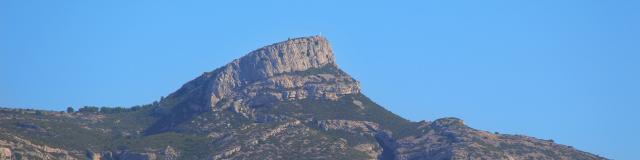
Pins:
x,y
288,100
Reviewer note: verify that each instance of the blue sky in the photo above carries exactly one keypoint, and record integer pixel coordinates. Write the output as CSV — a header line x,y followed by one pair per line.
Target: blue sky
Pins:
x,y
566,70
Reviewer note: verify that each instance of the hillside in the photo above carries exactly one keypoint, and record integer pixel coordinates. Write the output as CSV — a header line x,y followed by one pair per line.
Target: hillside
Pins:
x,y
288,100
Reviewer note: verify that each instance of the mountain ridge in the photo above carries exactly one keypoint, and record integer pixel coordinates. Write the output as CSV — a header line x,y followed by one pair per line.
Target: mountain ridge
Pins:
x,y
298,54
263,76
287,100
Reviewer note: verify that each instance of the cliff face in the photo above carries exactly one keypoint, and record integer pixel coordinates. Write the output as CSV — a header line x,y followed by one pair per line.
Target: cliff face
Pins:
x,y
295,69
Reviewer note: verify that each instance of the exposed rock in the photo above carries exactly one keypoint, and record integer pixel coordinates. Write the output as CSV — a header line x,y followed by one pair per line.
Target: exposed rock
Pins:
x,y
170,153
277,130
290,70
227,153
373,150
356,127
5,153
215,135
449,138
17,146
288,140
358,103
94,155
257,138
448,122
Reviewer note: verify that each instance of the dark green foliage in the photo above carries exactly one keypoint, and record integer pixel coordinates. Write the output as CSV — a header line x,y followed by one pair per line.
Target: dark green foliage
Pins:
x,y
89,109
120,129
169,118
327,69
108,110
112,110
344,109
18,156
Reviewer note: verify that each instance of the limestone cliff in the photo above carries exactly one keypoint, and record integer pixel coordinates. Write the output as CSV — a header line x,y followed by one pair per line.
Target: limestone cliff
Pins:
x,y
295,69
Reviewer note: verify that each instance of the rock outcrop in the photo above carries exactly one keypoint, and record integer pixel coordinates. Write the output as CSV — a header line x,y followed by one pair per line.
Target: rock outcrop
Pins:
x,y
354,127
91,155
295,69
14,146
372,150
170,153
449,138
5,153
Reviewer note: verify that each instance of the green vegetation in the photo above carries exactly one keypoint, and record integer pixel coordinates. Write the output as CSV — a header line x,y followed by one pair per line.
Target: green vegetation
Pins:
x,y
344,109
89,109
327,69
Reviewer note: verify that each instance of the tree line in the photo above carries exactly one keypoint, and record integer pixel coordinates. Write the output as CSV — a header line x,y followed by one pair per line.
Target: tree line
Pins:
x,y
109,110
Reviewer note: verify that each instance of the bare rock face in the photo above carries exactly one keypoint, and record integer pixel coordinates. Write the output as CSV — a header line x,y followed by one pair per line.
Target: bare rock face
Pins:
x,y
94,155
372,150
5,153
170,153
292,55
354,127
295,69
16,147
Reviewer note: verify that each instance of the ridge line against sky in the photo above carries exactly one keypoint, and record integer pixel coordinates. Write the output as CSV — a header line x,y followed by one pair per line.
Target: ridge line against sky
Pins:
x,y
563,70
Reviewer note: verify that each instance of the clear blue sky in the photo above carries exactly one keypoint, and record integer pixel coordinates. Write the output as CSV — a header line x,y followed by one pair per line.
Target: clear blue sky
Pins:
x,y
567,70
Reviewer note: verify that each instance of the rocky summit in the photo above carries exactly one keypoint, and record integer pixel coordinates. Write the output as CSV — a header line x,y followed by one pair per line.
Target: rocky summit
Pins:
x,y
288,100
296,69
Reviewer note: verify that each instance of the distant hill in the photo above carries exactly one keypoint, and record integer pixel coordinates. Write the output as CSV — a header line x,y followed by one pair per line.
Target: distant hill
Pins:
x,y
288,100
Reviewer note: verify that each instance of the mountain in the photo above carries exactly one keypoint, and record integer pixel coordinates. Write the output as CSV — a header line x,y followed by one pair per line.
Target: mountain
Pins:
x,y
288,100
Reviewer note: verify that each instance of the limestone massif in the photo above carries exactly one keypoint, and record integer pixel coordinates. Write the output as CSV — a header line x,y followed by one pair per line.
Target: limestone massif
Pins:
x,y
288,100
271,74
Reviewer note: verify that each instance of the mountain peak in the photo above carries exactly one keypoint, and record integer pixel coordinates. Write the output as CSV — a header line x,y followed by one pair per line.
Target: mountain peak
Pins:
x,y
297,54
294,69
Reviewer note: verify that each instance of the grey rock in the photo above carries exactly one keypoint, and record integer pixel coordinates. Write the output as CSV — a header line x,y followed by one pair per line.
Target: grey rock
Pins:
x,y
372,150
355,127
19,147
170,153
291,70
5,153
449,138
